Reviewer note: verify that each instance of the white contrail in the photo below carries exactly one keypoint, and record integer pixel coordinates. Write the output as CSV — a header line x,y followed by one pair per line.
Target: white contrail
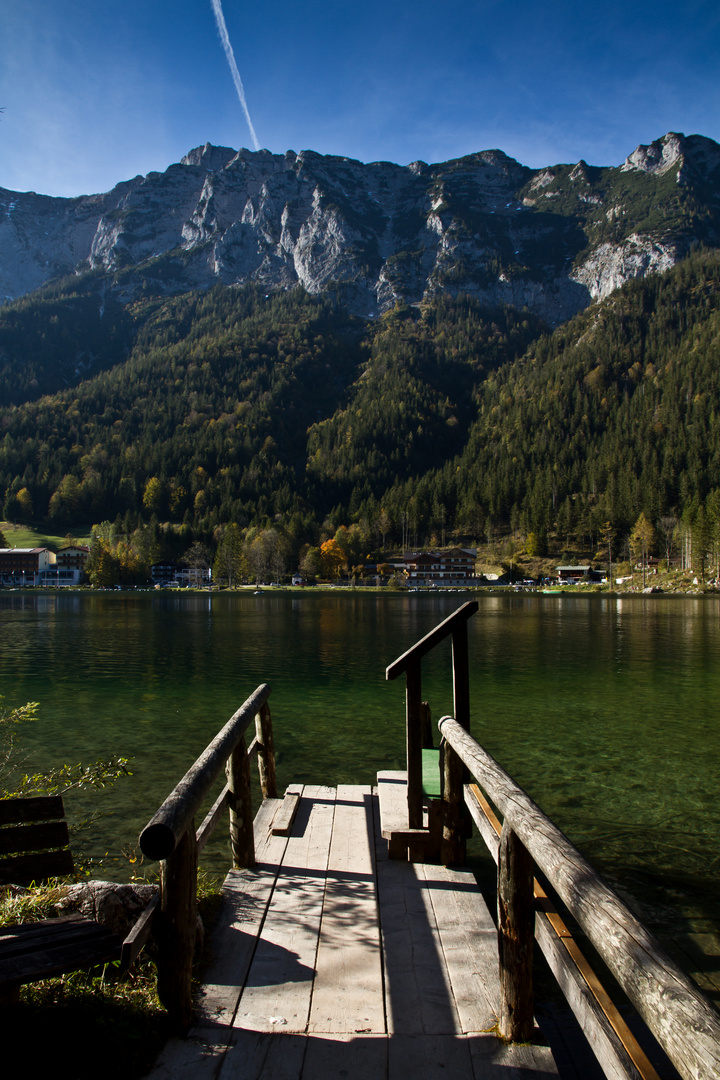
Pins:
x,y
222,31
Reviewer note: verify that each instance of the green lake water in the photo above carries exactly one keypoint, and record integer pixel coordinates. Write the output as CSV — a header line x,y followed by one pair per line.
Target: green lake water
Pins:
x,y
605,709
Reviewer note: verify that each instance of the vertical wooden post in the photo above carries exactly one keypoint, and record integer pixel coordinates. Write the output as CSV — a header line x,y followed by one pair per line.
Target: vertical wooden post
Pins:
x,y
426,732
177,928
242,841
461,675
452,846
413,736
266,753
516,925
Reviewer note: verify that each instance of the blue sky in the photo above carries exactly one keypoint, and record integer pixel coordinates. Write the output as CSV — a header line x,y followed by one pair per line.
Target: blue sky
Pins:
x,y
97,91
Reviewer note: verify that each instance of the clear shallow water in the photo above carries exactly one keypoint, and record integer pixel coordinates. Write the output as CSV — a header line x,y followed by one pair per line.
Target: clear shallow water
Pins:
x,y
604,709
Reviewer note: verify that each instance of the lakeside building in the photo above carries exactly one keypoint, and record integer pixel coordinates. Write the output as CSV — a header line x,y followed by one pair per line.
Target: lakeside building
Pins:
x,y
453,567
73,557
180,576
42,567
25,566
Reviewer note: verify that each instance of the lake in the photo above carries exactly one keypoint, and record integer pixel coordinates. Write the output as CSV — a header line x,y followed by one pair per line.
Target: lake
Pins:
x,y
604,708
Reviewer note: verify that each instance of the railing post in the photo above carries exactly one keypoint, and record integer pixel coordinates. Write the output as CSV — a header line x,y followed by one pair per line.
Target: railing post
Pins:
x,y
426,732
516,933
461,675
242,841
413,736
177,928
266,753
453,848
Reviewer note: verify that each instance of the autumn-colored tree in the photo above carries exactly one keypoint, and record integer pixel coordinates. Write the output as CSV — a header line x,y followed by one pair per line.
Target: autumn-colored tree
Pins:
x,y
333,561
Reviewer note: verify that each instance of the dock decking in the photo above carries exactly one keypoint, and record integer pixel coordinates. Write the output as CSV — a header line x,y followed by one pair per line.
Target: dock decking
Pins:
x,y
331,960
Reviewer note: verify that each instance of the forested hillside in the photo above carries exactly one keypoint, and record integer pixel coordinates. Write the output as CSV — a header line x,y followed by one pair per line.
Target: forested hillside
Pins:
x,y
283,413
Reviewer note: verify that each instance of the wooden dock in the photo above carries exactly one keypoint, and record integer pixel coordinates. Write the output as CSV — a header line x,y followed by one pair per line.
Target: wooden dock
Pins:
x,y
332,960
352,948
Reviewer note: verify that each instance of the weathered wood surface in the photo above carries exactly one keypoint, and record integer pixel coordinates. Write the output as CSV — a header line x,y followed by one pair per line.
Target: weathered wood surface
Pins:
x,y
612,1042
347,996
176,928
31,808
427,644
52,947
266,752
413,745
320,945
516,925
282,822
682,1019
419,845
242,841
32,826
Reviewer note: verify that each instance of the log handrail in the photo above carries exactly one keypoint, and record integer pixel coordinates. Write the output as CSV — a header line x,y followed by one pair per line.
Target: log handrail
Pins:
x,y
164,831
171,838
681,1017
409,663
414,654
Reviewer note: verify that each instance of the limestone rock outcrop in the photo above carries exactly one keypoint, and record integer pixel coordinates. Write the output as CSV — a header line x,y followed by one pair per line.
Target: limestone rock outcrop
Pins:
x,y
553,239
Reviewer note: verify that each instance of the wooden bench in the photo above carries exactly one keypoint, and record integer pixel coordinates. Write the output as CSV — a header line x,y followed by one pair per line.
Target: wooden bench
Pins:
x,y
34,846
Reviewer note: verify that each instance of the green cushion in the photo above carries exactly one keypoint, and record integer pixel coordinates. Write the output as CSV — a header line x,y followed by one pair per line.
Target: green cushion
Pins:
x,y
431,773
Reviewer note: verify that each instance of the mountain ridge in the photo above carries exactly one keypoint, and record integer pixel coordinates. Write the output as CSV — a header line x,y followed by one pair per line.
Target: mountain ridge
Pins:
x,y
552,239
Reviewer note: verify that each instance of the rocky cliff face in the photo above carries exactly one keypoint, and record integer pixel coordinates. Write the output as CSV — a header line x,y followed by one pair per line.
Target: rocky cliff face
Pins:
x,y
552,239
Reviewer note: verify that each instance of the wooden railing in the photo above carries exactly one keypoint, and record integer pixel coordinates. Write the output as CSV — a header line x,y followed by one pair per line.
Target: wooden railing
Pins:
x,y
683,1020
453,843
170,837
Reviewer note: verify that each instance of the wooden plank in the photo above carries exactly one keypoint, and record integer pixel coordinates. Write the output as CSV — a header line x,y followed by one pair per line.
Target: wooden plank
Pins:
x,y
392,796
493,1059
348,992
135,941
468,940
211,819
256,1055
262,828
681,1017
31,808
591,1009
424,1057
50,834
282,825
419,999
346,1057
22,869
246,895
485,818
279,985
52,947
